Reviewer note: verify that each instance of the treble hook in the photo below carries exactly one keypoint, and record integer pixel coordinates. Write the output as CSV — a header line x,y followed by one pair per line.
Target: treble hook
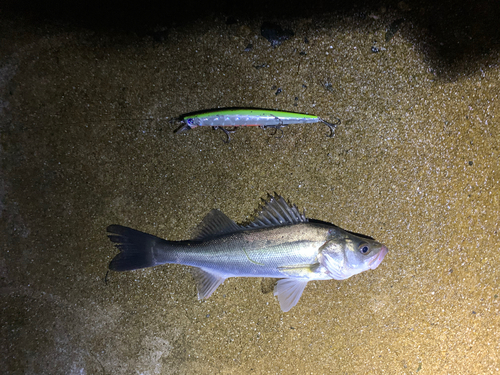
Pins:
x,y
276,128
331,126
280,128
227,132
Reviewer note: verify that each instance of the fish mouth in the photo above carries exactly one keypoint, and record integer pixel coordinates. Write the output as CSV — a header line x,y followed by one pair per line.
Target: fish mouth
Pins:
x,y
374,263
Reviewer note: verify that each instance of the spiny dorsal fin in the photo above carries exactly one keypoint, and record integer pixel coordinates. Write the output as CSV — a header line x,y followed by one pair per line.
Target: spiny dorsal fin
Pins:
x,y
215,223
275,212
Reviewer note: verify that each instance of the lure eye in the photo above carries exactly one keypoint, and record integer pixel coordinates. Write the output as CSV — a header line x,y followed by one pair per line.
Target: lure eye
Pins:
x,y
190,121
364,248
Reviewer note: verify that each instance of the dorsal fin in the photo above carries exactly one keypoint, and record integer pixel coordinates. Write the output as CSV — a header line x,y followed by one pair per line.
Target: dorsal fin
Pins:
x,y
215,223
276,212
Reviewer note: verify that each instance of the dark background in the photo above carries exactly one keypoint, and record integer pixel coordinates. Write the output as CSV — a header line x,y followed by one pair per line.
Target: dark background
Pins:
x,y
452,33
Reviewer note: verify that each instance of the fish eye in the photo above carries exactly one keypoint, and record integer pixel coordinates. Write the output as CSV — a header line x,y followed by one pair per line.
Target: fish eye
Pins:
x,y
364,248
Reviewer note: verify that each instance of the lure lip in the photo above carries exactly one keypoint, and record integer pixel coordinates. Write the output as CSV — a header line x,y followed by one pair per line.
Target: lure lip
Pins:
x,y
183,128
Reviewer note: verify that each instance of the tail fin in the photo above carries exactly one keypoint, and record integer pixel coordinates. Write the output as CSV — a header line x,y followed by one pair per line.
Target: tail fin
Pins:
x,y
137,249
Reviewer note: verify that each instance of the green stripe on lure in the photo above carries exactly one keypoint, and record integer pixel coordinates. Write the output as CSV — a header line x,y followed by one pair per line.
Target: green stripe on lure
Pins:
x,y
236,117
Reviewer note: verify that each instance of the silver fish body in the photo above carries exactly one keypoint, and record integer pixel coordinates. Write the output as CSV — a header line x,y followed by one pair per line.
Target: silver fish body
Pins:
x,y
279,243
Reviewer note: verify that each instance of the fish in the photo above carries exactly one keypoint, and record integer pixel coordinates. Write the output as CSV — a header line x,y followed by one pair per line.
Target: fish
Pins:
x,y
238,117
280,242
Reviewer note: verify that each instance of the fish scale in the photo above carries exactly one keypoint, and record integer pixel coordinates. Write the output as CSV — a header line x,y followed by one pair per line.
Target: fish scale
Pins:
x,y
249,253
279,243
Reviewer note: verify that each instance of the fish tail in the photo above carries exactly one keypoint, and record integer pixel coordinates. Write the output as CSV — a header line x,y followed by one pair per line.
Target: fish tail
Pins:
x,y
138,249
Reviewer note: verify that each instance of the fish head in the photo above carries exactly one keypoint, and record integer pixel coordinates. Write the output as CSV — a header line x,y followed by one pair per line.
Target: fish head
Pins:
x,y
348,254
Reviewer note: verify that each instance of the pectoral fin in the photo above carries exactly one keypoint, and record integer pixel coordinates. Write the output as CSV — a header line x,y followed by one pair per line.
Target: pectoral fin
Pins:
x,y
207,282
288,292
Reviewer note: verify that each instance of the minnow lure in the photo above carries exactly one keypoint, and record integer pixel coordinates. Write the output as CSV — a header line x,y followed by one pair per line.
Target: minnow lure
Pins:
x,y
236,117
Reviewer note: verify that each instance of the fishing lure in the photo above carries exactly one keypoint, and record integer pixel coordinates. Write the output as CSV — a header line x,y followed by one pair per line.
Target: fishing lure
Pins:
x,y
236,117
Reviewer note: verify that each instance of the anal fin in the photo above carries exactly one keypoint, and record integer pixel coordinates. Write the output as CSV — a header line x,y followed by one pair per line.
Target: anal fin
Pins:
x,y
289,291
207,282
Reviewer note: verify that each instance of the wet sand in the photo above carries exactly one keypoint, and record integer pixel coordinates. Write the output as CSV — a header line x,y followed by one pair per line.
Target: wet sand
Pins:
x,y
87,141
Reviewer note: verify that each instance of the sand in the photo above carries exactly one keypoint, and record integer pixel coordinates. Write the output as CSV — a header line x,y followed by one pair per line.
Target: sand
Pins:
x,y
87,141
